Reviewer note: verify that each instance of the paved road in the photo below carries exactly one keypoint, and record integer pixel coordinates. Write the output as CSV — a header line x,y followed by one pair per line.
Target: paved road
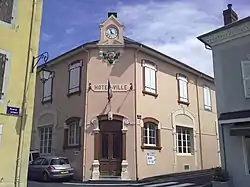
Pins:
x,y
159,184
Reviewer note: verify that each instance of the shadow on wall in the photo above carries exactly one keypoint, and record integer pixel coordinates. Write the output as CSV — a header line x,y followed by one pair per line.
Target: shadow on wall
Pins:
x,y
19,123
119,68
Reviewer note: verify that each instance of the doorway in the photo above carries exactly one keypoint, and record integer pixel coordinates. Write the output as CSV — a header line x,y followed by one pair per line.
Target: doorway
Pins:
x,y
110,156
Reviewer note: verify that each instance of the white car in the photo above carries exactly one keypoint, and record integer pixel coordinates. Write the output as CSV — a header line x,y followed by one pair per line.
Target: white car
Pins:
x,y
34,154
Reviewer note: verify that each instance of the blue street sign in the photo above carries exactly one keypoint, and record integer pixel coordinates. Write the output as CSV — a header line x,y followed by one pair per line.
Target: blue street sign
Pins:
x,y
13,110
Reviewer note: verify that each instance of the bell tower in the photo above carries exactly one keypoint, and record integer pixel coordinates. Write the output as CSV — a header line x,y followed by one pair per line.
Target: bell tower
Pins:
x,y
111,41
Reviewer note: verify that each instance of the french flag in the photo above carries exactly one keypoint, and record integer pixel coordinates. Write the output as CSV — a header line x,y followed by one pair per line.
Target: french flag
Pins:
x,y
110,92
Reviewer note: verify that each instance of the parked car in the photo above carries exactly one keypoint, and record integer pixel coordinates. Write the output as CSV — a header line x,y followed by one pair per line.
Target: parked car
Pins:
x,y
50,168
34,154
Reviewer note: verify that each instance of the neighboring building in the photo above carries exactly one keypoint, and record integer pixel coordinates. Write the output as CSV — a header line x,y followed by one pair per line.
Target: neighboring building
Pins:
x,y
161,117
231,57
19,38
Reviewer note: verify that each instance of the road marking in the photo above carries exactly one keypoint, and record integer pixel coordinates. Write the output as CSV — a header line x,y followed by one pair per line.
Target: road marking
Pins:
x,y
84,184
160,184
69,183
183,185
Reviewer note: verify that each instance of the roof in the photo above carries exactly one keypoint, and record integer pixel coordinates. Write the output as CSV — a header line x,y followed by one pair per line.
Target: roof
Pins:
x,y
131,41
244,20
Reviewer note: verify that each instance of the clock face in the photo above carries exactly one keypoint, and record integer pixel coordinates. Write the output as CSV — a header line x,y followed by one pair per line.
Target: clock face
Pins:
x,y
111,33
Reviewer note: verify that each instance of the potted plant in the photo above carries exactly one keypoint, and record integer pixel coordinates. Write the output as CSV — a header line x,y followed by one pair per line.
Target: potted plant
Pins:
x,y
221,178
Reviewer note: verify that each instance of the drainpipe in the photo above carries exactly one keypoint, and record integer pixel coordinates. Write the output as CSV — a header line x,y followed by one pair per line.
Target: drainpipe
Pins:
x,y
199,120
135,88
23,107
223,145
85,121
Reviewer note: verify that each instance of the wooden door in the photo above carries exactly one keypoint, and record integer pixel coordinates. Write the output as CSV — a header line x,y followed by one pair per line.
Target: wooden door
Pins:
x,y
111,153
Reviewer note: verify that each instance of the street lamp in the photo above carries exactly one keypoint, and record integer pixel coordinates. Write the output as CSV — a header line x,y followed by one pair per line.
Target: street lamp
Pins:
x,y
44,73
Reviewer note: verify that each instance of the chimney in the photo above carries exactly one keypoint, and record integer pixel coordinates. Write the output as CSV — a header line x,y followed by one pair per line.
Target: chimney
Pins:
x,y
229,15
112,13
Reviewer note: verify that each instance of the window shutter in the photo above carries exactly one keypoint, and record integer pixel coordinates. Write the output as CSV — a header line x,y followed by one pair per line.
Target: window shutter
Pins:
x,y
245,65
80,137
183,89
47,88
152,79
158,138
205,96
65,143
142,136
6,7
147,77
2,70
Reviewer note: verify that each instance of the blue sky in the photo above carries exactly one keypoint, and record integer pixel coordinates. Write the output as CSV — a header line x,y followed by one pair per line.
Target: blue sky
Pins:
x,y
169,26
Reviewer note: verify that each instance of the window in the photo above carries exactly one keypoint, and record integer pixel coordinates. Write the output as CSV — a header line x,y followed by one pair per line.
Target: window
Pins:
x,y
3,61
45,162
245,66
72,132
184,140
73,138
38,161
182,89
6,10
45,139
207,98
59,161
47,90
149,78
75,69
150,134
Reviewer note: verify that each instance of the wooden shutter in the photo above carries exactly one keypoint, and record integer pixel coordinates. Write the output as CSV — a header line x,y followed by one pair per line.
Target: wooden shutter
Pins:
x,y
6,9
158,137
245,65
80,137
2,70
65,143
142,136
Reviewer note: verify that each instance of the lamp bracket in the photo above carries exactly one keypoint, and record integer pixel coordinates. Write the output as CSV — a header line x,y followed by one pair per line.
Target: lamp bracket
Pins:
x,y
36,60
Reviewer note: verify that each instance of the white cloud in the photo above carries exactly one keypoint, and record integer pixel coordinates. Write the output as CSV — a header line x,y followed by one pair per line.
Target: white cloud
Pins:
x,y
46,37
70,30
172,27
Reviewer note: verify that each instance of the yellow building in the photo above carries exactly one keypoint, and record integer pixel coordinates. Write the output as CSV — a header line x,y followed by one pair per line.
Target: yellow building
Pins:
x,y
20,22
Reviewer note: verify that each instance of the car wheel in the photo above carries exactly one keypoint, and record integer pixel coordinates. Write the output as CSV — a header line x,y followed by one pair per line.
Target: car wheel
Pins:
x,y
45,177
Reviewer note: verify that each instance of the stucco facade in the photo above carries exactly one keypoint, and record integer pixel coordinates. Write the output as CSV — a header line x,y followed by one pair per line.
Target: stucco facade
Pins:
x,y
19,37
230,46
138,121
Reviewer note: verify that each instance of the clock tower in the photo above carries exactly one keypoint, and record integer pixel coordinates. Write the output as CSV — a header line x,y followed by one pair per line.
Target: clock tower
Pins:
x,y
111,41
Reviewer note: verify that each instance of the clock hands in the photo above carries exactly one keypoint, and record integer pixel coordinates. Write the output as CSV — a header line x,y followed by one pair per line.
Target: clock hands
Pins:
x,y
111,32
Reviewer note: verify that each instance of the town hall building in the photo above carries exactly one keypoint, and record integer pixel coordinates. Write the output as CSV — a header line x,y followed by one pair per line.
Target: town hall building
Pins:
x,y
118,108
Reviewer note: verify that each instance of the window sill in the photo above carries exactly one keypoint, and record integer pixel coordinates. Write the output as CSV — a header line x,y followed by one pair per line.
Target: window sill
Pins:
x,y
208,109
150,93
6,24
46,101
71,146
183,102
151,147
184,154
74,93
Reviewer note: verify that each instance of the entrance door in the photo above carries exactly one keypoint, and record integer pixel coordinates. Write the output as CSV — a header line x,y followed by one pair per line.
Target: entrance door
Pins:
x,y
111,153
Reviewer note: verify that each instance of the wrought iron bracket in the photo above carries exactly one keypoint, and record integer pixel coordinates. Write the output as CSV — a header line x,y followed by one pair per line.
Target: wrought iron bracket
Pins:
x,y
36,60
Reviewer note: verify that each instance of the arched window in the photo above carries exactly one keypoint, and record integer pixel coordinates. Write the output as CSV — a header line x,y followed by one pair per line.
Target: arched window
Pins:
x,y
72,132
150,134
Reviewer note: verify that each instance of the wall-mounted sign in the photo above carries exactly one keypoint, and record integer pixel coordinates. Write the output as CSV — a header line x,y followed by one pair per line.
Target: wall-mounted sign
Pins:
x,y
151,158
115,87
13,110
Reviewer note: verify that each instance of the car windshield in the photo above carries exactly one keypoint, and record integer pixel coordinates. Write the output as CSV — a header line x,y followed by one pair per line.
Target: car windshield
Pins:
x,y
35,155
59,161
